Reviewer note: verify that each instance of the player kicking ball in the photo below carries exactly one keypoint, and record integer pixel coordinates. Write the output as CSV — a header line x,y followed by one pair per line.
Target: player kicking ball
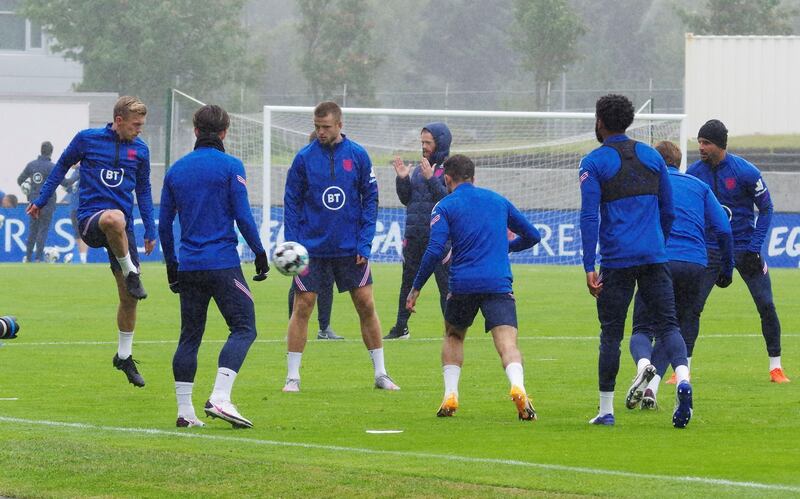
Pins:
x,y
476,221
209,190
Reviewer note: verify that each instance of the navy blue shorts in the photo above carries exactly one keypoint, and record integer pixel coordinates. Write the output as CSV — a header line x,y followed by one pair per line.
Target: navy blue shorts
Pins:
x,y
343,271
96,238
498,309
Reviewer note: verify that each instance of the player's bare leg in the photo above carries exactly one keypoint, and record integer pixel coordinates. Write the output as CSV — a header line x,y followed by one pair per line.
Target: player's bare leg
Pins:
x,y
297,336
505,341
126,323
371,334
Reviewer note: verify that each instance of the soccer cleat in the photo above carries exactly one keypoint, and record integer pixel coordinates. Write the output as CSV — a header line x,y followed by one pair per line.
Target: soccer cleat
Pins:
x,y
778,376
328,334
673,380
292,385
525,409
683,410
128,366
638,386
649,400
134,286
227,412
384,382
397,333
603,420
189,422
448,407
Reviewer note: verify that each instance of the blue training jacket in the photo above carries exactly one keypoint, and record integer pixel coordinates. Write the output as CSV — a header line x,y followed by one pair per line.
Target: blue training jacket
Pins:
x,y
738,186
111,170
697,211
207,189
330,204
476,221
631,229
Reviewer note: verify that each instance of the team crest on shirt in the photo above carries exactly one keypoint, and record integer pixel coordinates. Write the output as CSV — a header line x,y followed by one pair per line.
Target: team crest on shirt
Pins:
x,y
347,164
730,183
132,154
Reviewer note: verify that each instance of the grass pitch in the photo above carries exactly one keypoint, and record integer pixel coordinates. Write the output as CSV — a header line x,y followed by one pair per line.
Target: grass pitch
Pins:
x,y
70,424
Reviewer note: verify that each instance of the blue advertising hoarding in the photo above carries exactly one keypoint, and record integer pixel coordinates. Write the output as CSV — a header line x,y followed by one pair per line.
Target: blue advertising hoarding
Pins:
x,y
561,241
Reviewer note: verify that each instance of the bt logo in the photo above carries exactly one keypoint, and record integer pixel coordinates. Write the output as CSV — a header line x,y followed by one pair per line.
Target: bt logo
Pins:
x,y
333,198
112,178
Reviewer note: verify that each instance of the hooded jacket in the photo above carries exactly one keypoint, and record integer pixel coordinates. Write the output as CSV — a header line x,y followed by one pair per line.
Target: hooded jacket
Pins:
x,y
420,195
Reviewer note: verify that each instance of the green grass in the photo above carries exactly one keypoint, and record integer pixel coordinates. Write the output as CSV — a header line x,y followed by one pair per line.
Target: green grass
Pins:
x,y
78,429
760,142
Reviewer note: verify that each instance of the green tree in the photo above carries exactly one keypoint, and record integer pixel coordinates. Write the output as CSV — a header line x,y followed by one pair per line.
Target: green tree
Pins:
x,y
546,33
740,17
338,49
143,47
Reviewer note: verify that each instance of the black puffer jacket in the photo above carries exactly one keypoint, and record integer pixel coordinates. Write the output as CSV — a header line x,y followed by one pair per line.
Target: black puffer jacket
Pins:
x,y
420,195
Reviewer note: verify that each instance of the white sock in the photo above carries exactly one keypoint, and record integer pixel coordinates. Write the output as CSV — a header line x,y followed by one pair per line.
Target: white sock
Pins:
x,y
183,392
516,375
774,362
293,364
223,385
125,345
377,361
654,384
642,364
83,257
689,363
127,265
682,374
451,373
606,403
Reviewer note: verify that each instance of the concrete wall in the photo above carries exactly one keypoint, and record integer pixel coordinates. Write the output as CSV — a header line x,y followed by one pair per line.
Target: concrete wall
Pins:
x,y
751,83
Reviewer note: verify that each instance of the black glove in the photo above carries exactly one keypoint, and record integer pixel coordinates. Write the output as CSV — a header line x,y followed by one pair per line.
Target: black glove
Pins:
x,y
262,267
172,278
751,263
725,279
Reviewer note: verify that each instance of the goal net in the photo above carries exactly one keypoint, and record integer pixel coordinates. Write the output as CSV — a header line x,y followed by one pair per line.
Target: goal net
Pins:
x,y
531,158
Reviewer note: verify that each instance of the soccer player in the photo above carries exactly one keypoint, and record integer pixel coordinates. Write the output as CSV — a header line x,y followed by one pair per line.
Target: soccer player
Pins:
x,y
419,191
35,174
696,209
208,189
738,186
476,220
115,162
330,207
626,183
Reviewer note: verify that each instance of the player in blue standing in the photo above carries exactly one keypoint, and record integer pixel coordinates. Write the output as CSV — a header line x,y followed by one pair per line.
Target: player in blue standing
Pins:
x,y
476,221
114,163
696,209
739,187
331,208
207,187
626,201
419,190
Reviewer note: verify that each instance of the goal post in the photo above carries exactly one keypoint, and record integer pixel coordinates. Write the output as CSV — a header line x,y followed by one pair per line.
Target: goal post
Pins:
x,y
531,158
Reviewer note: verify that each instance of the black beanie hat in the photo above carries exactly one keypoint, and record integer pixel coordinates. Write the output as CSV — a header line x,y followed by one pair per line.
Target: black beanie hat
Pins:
x,y
715,132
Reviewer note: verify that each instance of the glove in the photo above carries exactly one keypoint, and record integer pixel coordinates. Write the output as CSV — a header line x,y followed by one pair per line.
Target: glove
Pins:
x,y
172,278
724,279
752,263
262,267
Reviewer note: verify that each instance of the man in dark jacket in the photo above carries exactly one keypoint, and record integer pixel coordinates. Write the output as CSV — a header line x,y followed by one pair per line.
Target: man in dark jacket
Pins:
x,y
419,190
35,173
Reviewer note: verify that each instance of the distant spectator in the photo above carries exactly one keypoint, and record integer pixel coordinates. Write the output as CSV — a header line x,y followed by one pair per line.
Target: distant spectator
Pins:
x,y
35,174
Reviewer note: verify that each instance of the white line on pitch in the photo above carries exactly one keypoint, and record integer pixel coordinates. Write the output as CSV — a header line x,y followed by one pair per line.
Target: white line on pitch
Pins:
x,y
414,340
421,455
9,398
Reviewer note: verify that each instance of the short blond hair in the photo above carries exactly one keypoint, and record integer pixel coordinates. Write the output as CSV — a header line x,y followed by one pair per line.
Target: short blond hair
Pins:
x,y
670,152
128,105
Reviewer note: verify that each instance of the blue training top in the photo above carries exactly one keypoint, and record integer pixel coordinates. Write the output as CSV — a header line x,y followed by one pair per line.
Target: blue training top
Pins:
x,y
111,169
696,209
208,190
738,186
476,221
632,228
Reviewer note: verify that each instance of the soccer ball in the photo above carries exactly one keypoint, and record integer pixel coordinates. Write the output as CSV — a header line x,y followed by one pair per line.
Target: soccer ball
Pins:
x,y
290,258
51,255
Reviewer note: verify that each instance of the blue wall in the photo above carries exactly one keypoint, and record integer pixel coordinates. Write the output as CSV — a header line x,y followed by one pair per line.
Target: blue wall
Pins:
x,y
560,231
